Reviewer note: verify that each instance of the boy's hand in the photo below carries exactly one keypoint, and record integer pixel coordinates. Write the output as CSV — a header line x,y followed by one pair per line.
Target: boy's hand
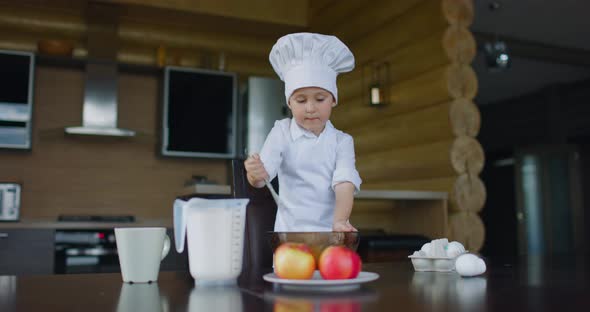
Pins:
x,y
343,226
256,173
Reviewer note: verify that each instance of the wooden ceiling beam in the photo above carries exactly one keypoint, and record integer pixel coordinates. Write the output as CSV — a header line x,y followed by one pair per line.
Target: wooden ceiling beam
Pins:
x,y
292,12
74,27
324,20
367,18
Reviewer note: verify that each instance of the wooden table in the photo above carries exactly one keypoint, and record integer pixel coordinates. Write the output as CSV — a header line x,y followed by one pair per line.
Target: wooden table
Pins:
x,y
527,286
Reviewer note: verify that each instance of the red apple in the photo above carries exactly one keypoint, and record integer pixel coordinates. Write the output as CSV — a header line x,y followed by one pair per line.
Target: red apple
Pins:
x,y
294,261
339,262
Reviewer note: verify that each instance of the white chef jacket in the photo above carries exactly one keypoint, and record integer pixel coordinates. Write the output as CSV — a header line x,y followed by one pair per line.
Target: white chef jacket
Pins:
x,y
308,167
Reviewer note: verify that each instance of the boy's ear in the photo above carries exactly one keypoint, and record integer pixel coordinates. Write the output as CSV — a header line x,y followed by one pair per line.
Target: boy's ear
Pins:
x,y
333,103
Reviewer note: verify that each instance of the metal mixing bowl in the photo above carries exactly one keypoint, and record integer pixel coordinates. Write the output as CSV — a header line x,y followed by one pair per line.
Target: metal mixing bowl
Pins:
x,y
316,241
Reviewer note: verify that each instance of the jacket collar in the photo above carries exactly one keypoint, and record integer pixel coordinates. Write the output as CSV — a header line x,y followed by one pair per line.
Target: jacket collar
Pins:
x,y
297,131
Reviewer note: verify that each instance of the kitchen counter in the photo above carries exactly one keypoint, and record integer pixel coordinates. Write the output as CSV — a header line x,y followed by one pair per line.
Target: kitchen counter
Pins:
x,y
52,223
526,286
401,195
414,208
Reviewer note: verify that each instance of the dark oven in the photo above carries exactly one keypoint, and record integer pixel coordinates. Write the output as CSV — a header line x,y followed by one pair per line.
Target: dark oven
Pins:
x,y
85,251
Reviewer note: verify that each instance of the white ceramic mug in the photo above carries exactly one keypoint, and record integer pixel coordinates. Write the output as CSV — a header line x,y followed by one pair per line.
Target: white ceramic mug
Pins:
x,y
140,252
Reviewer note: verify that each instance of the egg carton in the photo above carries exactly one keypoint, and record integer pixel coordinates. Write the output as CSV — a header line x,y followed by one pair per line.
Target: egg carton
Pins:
x,y
433,264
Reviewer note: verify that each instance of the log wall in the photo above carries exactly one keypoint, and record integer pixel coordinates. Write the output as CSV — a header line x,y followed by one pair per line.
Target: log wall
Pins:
x,y
424,137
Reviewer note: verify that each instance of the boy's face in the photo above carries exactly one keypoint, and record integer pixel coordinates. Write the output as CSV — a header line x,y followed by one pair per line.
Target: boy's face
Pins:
x,y
311,107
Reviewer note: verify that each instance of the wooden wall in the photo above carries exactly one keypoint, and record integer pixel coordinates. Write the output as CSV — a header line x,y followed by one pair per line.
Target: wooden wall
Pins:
x,y
101,175
98,175
424,137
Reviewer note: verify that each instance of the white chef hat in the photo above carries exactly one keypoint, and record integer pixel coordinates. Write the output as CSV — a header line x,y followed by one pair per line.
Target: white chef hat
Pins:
x,y
310,60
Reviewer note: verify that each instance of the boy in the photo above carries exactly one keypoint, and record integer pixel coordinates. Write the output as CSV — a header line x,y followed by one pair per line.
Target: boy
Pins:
x,y
315,162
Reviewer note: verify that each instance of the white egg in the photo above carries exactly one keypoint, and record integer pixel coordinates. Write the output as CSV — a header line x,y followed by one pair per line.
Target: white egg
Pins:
x,y
426,249
455,243
455,249
470,265
438,247
419,253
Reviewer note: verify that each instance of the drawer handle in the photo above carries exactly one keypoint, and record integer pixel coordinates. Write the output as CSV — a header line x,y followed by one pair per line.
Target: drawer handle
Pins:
x,y
3,235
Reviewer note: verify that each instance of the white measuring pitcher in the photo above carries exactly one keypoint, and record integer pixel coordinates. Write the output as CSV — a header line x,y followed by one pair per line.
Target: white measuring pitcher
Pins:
x,y
214,229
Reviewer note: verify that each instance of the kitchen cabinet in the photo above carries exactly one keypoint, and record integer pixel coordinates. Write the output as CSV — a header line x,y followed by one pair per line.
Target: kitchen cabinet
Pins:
x,y
398,222
29,247
26,251
416,212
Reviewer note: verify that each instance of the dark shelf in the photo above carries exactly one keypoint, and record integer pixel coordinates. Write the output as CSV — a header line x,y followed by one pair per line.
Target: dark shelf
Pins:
x,y
80,63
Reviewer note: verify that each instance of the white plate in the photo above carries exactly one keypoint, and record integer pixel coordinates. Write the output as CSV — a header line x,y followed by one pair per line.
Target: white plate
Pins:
x,y
318,283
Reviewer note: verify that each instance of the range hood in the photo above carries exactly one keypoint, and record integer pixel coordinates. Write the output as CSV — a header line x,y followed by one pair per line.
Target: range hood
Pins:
x,y
99,111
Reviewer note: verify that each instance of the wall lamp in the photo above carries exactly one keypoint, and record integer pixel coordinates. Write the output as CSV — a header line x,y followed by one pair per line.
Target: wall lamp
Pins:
x,y
379,84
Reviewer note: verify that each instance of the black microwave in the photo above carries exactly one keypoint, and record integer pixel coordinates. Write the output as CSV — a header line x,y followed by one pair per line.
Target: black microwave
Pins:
x,y
16,99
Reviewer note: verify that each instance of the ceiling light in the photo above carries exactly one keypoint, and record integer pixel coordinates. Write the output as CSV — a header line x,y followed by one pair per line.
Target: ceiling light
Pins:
x,y
497,56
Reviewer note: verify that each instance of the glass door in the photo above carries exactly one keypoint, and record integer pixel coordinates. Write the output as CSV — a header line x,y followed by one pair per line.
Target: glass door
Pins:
x,y
549,211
